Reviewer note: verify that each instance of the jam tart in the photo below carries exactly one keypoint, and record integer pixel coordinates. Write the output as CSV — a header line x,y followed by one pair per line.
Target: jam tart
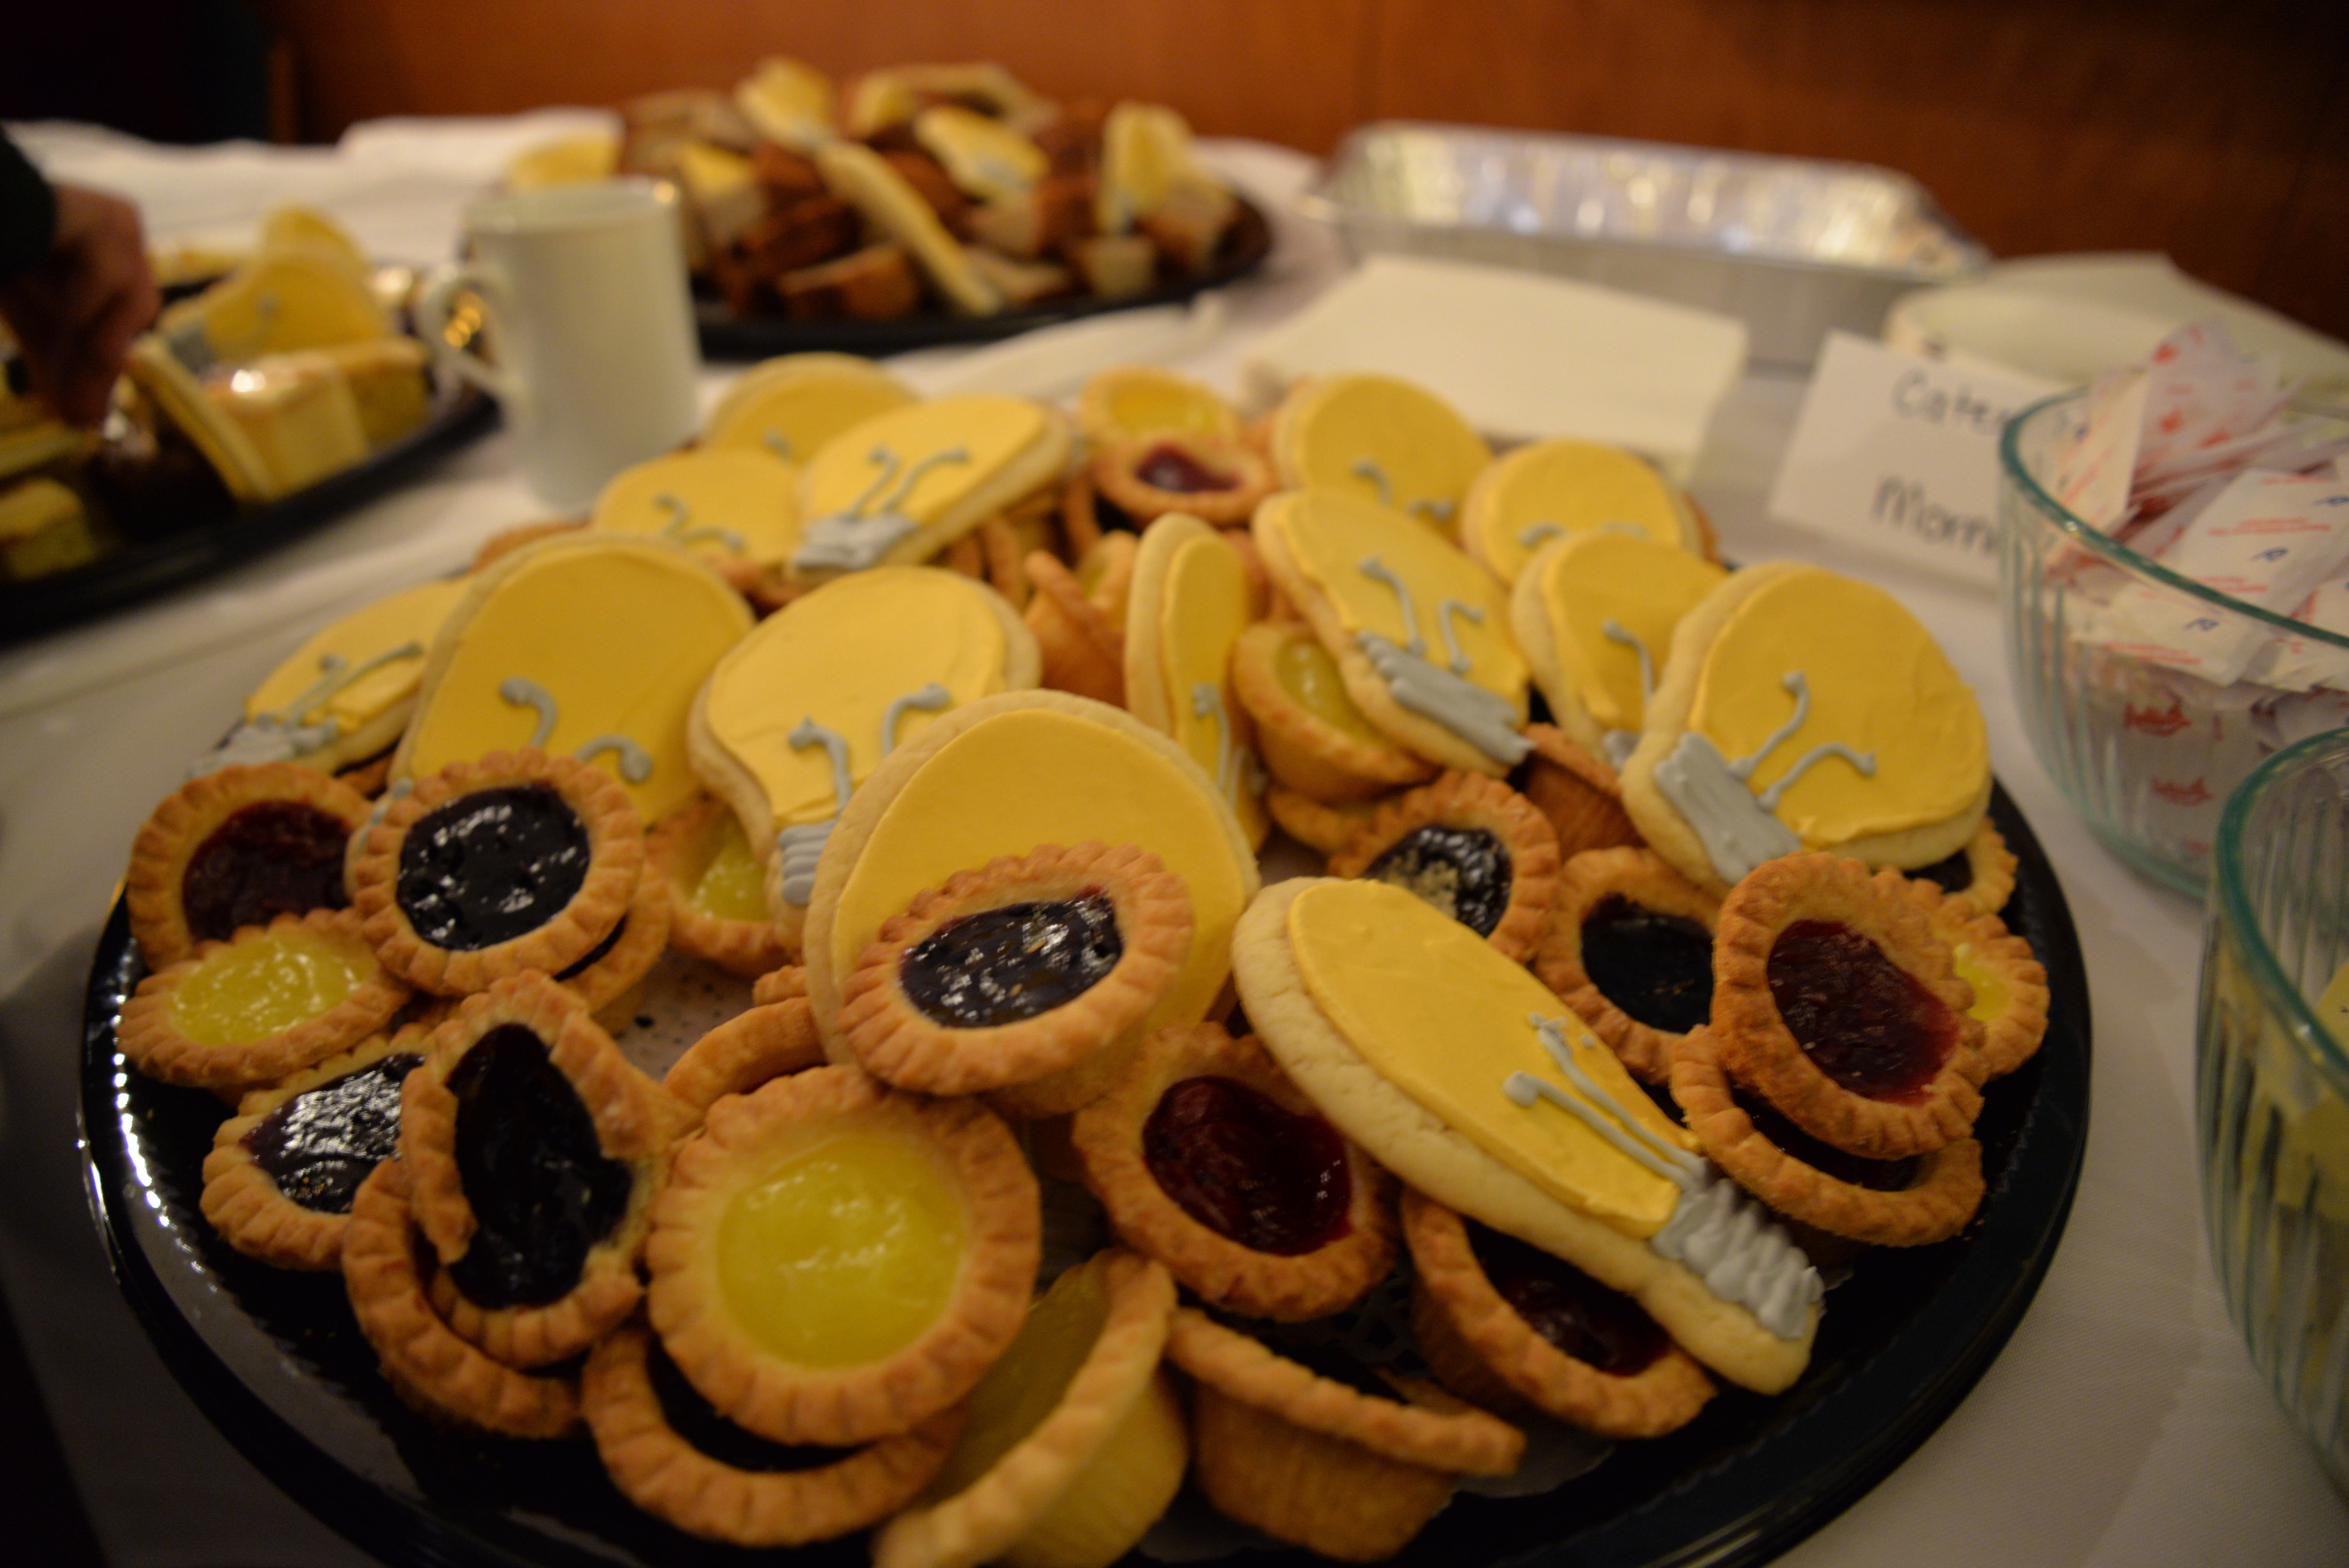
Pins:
x,y
535,1152
779,985
610,979
2010,986
386,1263
1507,1327
1210,1160
1082,649
1313,738
1909,1202
279,1180
1629,949
1835,1002
1471,847
834,1260
1325,830
1982,871
1076,1442
738,1056
716,888
267,1001
674,1457
1349,1468
236,848
1576,792
517,861
1216,478
1019,975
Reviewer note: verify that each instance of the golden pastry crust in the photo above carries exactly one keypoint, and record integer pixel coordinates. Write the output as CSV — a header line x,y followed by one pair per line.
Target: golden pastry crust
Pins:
x,y
788,1403
636,944
1993,865
244,1202
1471,802
1325,830
1763,1054
987,1519
1200,407
636,1120
2013,1030
427,1364
1004,550
744,1052
1438,1433
149,1034
1334,1497
1083,651
186,820
1455,1305
677,852
1577,791
1940,1197
779,985
1118,476
899,1043
665,1475
1080,527
1109,1135
1646,879
615,847
1305,751
505,541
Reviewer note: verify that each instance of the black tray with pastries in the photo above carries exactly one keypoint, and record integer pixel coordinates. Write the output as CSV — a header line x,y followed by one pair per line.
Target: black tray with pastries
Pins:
x,y
275,1360
726,334
129,571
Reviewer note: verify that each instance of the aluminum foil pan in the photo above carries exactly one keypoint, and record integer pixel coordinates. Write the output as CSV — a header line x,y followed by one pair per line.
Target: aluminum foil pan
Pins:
x,y
1792,246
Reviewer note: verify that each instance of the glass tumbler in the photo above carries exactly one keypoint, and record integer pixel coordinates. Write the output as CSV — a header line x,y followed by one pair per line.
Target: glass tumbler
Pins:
x,y
2272,1080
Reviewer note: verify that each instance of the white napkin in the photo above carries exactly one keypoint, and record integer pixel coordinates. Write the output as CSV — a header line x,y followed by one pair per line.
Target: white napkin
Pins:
x,y
1522,356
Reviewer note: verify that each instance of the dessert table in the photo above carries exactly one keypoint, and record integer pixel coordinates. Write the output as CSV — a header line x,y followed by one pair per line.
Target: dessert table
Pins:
x,y
2122,1424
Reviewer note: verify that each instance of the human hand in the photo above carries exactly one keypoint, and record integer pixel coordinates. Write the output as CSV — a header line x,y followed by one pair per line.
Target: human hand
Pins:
x,y
75,310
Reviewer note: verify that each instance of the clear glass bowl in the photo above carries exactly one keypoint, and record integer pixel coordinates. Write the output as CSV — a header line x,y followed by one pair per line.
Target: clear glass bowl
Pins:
x,y
2272,1081
2147,753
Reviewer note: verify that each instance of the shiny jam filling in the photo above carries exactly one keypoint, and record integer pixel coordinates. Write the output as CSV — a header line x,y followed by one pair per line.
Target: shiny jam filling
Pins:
x,y
691,1418
1308,673
1574,1313
490,866
1464,871
1876,1175
268,859
1027,1382
265,988
1862,1020
1658,968
1169,468
321,1144
733,886
845,1251
597,954
532,1169
1002,965
1248,1170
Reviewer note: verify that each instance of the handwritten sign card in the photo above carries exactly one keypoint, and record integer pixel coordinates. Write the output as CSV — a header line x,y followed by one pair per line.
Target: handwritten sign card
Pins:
x,y
1897,455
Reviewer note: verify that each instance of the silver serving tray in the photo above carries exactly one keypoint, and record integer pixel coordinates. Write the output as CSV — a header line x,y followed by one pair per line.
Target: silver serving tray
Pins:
x,y
1792,246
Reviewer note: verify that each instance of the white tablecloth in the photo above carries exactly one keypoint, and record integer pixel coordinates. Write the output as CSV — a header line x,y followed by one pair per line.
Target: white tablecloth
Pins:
x,y
2122,1426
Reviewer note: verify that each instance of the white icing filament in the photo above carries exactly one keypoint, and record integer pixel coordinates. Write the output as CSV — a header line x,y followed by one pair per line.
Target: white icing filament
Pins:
x,y
1377,571
1481,718
775,441
1206,702
807,733
1615,631
1703,786
280,735
523,692
858,538
1425,506
1598,1110
679,514
1531,536
930,698
636,762
1741,1255
800,848
1472,613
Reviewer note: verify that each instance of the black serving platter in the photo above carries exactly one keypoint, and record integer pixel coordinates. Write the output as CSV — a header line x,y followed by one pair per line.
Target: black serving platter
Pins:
x,y
728,334
131,573
275,1360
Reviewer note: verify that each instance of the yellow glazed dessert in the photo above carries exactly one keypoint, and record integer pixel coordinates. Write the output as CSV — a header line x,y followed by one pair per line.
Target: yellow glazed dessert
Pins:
x,y
1315,741
835,1262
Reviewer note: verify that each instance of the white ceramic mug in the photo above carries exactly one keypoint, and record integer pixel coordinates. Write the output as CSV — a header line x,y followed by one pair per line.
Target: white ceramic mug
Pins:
x,y
592,321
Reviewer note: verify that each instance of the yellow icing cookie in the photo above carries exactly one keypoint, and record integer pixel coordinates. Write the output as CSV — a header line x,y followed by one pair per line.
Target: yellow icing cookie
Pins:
x,y
1191,598
1421,633
1805,710
583,644
1561,488
1001,776
733,506
1594,614
868,660
902,486
791,405
1379,439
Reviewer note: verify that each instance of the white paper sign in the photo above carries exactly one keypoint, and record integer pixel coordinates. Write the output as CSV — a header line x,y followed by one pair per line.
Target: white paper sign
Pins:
x,y
1897,455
